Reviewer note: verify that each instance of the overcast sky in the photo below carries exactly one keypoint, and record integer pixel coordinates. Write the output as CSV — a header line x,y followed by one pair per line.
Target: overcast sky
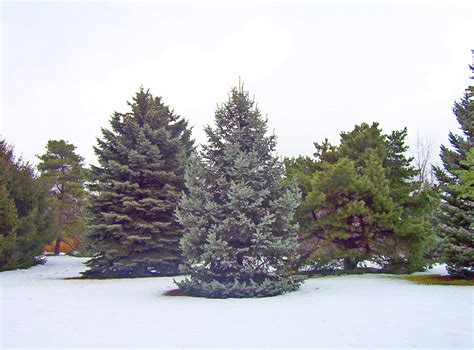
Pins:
x,y
316,68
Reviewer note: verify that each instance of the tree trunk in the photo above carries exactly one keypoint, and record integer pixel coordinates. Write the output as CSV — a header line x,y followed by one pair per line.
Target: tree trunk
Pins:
x,y
57,248
349,264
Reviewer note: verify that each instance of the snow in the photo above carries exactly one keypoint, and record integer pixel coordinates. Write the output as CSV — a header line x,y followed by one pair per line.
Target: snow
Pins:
x,y
39,308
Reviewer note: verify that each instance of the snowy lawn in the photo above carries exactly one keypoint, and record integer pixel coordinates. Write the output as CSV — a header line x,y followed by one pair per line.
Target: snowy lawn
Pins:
x,y
39,308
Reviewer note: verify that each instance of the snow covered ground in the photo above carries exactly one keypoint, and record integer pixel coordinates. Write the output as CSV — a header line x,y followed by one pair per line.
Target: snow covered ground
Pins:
x,y
40,309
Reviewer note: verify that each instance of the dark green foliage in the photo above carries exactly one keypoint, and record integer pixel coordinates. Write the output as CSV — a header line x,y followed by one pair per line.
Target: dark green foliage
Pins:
x,y
135,190
361,203
456,210
62,173
25,218
239,240
301,168
466,177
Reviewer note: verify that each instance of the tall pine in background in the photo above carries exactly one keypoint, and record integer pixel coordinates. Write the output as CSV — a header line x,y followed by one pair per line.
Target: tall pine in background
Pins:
x,y
25,216
62,172
239,240
135,190
455,215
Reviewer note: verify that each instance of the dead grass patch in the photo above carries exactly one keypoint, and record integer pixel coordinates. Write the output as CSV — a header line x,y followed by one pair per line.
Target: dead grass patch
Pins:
x,y
439,280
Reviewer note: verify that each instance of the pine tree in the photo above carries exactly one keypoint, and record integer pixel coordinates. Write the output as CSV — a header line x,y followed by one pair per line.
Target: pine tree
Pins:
x,y
135,190
25,217
239,239
62,173
361,203
352,212
456,210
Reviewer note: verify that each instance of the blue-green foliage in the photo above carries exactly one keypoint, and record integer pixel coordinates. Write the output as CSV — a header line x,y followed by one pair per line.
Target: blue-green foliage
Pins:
x,y
135,190
239,237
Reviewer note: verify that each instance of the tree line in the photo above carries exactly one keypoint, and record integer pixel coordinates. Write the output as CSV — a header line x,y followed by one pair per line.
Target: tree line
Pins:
x,y
231,216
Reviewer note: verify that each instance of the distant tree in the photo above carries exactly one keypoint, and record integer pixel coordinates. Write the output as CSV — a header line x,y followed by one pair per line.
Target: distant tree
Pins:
x,y
456,210
363,204
239,240
25,219
424,151
135,190
62,172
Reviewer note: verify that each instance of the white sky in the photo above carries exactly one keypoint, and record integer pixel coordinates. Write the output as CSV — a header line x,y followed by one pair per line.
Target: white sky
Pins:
x,y
316,68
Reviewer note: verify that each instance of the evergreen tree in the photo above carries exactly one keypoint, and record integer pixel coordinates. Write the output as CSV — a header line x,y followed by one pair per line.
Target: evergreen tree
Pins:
x,y
352,212
25,218
135,190
62,173
301,168
361,203
456,210
466,177
239,239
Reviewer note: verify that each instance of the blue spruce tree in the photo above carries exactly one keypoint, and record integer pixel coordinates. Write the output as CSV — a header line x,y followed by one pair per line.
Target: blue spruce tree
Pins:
x,y
239,237
135,191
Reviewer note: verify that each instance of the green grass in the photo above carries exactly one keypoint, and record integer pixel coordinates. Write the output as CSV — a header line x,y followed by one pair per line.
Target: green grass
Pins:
x,y
438,280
